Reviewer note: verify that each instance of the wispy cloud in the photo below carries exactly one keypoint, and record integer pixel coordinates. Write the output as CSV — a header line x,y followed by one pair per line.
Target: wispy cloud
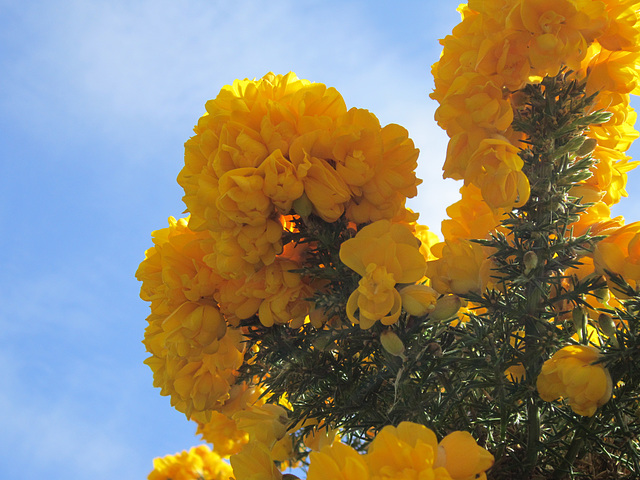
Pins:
x,y
104,93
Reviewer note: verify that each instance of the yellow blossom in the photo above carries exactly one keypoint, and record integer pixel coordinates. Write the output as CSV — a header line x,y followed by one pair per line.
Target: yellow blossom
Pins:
x,y
254,462
199,463
623,29
281,292
560,31
393,181
496,168
462,457
193,329
199,384
474,101
572,373
406,451
223,433
173,270
241,198
418,300
242,250
281,185
337,462
619,253
471,217
321,436
461,267
324,187
265,424
459,151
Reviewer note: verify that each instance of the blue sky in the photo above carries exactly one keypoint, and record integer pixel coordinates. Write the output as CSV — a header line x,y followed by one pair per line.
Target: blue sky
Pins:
x,y
96,101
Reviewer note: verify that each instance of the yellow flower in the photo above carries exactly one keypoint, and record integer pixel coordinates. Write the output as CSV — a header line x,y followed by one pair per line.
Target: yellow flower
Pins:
x,y
254,462
321,436
223,433
460,149
619,253
324,187
596,219
384,254
199,463
394,179
623,29
471,217
376,298
199,384
427,240
265,424
173,270
418,300
242,250
496,168
462,266
281,185
241,198
474,101
279,293
193,329
572,373
357,148
560,31
614,72
503,53
463,458
406,451
337,462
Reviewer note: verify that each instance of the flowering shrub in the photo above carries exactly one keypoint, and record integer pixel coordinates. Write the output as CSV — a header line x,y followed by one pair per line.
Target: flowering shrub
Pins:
x,y
302,317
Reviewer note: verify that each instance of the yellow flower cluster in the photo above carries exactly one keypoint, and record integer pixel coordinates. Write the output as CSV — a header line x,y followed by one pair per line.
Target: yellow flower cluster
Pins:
x,y
194,353
199,463
409,450
264,143
281,146
572,373
384,254
495,51
500,47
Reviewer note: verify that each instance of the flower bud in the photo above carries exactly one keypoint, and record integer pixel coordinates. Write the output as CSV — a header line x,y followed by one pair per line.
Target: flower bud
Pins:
x,y
530,261
418,300
608,328
392,343
587,147
303,206
579,319
446,307
602,294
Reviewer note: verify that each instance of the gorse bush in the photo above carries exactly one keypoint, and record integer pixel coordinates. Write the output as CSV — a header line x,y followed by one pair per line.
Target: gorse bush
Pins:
x,y
302,317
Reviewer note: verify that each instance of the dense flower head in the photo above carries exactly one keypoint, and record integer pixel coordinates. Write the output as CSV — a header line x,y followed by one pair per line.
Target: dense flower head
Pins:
x,y
572,373
264,143
384,254
199,463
